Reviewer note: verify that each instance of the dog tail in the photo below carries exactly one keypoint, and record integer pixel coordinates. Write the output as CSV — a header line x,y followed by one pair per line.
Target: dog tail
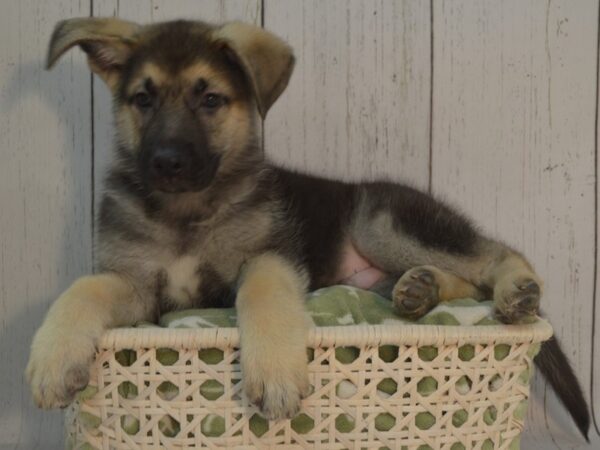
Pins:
x,y
556,369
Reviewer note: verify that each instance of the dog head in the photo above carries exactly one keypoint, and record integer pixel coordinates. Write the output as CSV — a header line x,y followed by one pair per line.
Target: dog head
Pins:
x,y
185,93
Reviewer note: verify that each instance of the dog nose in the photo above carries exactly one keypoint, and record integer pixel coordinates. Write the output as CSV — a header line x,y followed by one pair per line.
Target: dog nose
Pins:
x,y
169,162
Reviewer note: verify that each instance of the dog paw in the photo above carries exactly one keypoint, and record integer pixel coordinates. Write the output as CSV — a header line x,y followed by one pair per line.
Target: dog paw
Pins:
x,y
276,389
416,293
517,299
275,399
58,368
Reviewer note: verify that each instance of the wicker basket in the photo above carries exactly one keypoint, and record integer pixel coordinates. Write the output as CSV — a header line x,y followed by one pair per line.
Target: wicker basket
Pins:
x,y
494,361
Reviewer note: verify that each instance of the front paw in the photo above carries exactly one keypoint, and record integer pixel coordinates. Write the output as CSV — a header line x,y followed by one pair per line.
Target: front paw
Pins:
x,y
58,367
517,299
276,383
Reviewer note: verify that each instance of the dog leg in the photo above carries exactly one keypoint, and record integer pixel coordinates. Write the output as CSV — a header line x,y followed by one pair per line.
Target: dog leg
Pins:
x,y
421,288
397,228
64,346
273,327
517,288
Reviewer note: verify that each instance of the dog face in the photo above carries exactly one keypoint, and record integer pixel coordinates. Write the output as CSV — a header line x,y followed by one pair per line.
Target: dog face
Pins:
x,y
183,108
185,93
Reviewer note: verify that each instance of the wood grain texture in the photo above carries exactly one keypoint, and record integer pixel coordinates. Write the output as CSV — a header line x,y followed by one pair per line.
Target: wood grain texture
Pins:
x,y
45,196
596,329
146,12
358,103
513,145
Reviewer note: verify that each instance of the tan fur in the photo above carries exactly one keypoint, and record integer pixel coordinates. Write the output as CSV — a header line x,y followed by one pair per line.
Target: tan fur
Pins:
x,y
273,326
371,236
127,125
183,80
149,70
451,286
64,345
234,129
232,126
217,81
509,277
114,38
512,265
183,279
267,60
422,288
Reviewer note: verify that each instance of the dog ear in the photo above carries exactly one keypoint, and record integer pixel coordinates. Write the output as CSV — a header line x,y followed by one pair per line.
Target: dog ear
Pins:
x,y
107,43
266,60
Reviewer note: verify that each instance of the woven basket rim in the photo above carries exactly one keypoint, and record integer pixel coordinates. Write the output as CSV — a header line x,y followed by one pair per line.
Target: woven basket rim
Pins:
x,y
347,335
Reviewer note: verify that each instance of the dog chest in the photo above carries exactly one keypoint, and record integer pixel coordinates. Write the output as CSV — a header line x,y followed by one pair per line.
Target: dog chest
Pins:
x,y
199,266
195,280
182,280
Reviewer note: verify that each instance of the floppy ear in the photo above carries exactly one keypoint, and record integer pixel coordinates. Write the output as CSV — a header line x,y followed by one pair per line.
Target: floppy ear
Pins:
x,y
107,42
266,60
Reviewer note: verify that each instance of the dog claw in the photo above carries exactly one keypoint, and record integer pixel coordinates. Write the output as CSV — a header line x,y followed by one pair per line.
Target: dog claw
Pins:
x,y
425,276
411,303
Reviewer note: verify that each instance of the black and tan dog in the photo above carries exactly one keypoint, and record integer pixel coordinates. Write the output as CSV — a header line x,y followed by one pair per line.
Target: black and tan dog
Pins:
x,y
193,216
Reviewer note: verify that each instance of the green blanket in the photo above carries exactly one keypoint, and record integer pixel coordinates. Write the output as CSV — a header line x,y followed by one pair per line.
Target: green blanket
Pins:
x,y
332,306
345,305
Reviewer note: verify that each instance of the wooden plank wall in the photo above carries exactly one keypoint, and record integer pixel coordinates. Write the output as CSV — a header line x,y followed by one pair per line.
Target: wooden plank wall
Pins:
x,y
363,74
45,199
514,110
490,105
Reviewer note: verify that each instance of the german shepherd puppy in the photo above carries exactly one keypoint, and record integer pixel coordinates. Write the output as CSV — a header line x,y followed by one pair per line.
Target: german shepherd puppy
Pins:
x,y
193,216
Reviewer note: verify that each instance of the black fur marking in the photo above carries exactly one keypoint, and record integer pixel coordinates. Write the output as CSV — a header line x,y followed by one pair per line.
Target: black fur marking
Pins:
x,y
177,132
114,220
164,304
127,183
421,216
320,209
186,232
214,291
555,367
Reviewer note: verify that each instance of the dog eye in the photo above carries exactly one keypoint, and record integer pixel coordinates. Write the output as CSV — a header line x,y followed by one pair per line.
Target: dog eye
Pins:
x,y
142,100
212,101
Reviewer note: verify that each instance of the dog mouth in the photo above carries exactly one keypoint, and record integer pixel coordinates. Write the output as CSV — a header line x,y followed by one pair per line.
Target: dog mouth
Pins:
x,y
169,186
188,181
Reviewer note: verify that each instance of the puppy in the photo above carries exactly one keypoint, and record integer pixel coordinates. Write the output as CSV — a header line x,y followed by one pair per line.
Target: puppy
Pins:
x,y
193,216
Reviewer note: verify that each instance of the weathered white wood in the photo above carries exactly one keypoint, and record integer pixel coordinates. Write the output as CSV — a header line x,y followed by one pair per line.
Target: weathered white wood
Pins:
x,y
513,144
358,102
596,355
145,12
45,200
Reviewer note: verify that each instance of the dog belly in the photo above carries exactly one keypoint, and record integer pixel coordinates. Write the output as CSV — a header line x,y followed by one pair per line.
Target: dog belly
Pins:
x,y
355,270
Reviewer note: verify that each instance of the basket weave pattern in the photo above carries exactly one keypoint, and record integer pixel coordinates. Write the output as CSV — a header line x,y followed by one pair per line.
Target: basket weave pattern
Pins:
x,y
475,404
